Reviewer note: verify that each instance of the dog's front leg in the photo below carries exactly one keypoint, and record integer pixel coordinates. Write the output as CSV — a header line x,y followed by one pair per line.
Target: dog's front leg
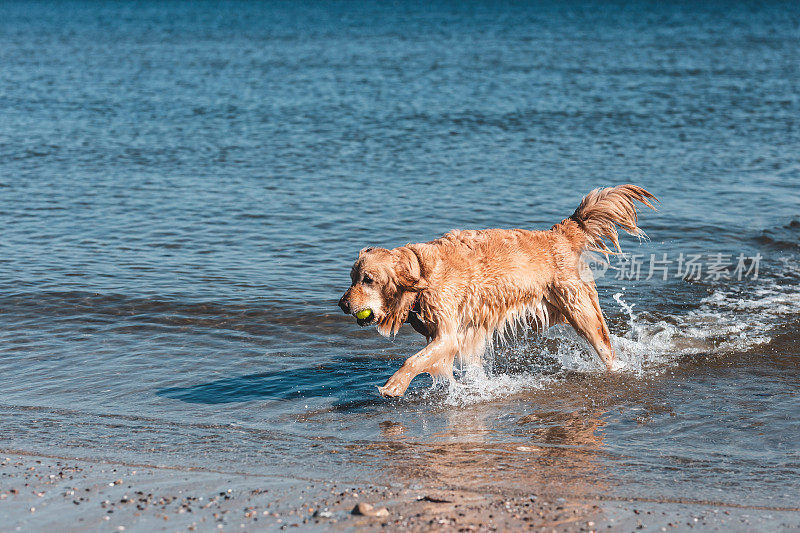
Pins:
x,y
436,358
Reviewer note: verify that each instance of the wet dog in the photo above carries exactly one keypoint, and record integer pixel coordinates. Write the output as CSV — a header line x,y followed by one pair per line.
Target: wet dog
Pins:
x,y
463,288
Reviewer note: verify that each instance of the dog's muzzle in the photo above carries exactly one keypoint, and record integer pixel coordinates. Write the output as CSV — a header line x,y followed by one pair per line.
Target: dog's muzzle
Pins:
x,y
344,305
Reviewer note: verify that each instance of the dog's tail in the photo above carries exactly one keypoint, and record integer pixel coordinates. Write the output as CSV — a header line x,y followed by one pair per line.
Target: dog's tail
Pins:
x,y
599,214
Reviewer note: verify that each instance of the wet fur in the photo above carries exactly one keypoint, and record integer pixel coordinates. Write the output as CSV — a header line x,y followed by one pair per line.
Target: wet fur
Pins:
x,y
469,286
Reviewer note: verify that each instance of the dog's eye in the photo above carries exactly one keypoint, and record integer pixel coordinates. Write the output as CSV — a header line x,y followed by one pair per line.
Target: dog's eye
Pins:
x,y
367,280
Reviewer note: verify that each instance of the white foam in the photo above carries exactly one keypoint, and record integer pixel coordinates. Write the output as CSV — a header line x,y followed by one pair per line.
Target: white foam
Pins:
x,y
475,385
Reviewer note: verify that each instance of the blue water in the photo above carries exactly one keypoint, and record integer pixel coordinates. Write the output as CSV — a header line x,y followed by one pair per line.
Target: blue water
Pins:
x,y
183,187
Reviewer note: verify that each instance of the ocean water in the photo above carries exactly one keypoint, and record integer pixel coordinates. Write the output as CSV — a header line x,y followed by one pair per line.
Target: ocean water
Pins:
x,y
183,187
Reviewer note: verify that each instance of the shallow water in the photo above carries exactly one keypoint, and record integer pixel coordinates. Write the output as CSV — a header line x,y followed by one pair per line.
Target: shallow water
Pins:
x,y
184,187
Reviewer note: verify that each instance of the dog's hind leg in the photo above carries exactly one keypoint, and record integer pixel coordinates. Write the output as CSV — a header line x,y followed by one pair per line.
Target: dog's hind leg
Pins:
x,y
435,359
581,308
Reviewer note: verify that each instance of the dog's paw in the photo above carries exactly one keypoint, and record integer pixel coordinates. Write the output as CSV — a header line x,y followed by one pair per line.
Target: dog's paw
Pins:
x,y
391,391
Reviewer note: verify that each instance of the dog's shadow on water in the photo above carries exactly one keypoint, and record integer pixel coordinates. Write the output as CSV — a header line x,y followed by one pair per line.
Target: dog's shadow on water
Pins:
x,y
350,380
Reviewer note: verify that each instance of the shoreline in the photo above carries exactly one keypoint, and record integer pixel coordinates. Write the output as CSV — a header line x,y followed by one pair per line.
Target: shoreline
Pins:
x,y
41,492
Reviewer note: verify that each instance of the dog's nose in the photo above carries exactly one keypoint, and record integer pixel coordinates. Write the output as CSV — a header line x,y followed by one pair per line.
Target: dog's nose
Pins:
x,y
344,305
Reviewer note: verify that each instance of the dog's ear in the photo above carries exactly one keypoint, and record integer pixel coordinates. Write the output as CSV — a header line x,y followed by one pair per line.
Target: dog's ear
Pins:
x,y
365,250
407,278
408,270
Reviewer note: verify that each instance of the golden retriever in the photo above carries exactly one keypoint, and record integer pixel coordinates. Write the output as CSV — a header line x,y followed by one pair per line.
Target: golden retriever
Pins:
x,y
463,288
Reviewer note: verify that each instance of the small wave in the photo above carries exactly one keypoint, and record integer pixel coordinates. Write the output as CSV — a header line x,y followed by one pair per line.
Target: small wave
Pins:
x,y
782,238
168,310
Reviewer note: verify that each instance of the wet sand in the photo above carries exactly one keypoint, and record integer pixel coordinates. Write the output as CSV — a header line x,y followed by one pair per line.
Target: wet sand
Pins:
x,y
39,493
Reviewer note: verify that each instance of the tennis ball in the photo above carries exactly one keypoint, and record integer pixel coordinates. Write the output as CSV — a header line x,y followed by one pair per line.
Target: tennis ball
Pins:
x,y
364,313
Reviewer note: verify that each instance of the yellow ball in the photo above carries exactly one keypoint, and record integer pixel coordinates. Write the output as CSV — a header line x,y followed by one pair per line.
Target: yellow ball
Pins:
x,y
364,313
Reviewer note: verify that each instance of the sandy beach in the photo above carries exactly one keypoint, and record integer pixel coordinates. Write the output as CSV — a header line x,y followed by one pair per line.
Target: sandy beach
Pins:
x,y
36,492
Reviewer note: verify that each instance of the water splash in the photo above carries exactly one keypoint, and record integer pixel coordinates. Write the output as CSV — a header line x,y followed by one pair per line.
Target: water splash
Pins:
x,y
627,308
476,384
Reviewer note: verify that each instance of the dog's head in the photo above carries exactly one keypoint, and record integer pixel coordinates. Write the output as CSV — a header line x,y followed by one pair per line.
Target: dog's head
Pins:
x,y
384,286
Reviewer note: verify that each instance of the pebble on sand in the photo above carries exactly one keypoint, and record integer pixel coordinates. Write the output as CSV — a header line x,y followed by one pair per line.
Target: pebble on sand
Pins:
x,y
365,509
